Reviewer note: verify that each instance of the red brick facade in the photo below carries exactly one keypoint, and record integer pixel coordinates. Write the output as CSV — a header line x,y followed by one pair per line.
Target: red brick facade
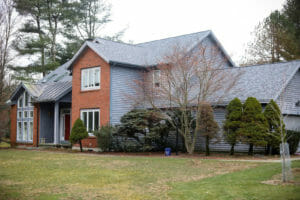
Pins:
x,y
13,125
92,99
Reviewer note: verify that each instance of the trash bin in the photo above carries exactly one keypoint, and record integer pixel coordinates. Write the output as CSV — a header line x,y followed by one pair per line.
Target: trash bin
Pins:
x,y
167,151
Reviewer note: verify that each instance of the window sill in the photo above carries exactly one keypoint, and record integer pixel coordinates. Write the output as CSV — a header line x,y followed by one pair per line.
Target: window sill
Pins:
x,y
90,90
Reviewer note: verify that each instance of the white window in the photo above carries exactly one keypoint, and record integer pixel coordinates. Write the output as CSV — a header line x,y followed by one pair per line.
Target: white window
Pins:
x,y
156,78
91,119
19,131
90,78
24,119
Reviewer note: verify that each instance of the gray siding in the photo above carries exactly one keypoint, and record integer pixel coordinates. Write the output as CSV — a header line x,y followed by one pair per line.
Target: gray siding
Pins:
x,y
291,95
216,144
46,122
122,90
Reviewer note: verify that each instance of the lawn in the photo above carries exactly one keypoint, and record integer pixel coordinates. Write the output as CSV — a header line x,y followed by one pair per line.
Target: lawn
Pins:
x,y
56,175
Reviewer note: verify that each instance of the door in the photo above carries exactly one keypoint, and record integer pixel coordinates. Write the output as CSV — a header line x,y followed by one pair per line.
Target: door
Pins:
x,y
67,126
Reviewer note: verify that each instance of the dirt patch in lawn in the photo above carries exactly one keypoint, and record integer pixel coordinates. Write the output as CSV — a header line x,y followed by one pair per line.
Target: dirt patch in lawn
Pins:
x,y
276,179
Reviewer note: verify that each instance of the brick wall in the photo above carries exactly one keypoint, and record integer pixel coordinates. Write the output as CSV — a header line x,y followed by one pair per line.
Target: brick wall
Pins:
x,y
94,99
13,125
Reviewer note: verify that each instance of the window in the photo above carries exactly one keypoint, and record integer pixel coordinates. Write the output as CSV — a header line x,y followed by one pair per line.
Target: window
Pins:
x,y
20,102
91,119
25,114
156,78
90,78
31,114
20,114
24,118
26,99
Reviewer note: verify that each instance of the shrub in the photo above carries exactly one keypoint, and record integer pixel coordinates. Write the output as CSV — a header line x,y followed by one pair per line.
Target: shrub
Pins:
x,y
78,133
293,140
208,127
254,127
272,114
105,137
144,129
233,122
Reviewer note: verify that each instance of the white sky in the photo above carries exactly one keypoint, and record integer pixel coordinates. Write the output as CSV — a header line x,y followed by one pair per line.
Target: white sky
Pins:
x,y
232,21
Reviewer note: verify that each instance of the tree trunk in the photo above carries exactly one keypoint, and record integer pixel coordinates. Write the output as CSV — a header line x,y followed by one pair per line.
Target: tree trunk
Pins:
x,y
207,146
232,149
80,145
250,152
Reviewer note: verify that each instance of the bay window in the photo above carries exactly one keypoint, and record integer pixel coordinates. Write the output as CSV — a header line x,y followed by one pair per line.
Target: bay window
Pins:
x,y
90,78
91,119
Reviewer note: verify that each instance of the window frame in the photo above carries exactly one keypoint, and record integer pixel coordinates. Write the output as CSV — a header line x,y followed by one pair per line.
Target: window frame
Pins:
x,y
87,72
156,83
24,118
93,110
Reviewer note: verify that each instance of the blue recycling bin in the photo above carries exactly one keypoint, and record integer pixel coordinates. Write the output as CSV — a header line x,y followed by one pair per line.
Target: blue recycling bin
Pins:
x,y
167,151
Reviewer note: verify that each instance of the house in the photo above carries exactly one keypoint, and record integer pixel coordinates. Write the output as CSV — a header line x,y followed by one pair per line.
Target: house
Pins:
x,y
93,86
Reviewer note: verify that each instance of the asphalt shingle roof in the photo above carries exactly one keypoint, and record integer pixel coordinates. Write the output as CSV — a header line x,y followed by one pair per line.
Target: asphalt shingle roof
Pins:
x,y
264,82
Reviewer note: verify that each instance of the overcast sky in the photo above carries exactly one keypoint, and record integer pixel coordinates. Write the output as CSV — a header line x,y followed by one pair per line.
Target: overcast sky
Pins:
x,y
232,21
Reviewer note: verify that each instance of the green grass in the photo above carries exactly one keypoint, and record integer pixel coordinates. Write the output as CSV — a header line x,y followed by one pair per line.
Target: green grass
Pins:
x,y
56,175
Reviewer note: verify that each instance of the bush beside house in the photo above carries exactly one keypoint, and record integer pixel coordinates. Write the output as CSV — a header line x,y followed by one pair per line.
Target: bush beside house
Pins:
x,y
78,133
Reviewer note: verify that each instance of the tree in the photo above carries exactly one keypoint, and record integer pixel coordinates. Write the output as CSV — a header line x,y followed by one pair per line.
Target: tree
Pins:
x,y
8,24
208,127
39,34
187,78
272,114
233,122
147,123
85,19
254,126
277,37
78,133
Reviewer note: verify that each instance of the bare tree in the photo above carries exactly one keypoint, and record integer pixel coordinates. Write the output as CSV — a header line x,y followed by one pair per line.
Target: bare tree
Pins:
x,y
184,80
7,31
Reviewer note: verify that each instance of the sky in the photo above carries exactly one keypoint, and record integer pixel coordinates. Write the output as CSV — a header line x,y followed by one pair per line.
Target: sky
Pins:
x,y
232,21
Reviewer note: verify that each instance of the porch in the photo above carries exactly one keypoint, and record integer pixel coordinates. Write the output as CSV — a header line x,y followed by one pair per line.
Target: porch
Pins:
x,y
55,123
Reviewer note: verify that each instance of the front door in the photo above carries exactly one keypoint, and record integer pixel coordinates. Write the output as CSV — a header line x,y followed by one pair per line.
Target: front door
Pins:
x,y
67,126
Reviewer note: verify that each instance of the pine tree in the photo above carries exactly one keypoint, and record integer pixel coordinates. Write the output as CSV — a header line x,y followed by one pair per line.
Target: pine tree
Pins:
x,y
233,122
272,114
78,133
254,126
208,126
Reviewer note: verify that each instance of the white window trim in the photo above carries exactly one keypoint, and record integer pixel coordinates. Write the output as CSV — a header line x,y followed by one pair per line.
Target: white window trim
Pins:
x,y
90,87
153,77
87,119
29,108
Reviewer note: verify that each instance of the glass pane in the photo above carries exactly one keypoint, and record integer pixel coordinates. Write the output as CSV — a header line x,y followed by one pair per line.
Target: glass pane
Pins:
x,y
21,102
19,131
25,131
26,99
90,128
19,114
97,77
85,78
84,118
31,114
96,120
31,131
91,78
25,114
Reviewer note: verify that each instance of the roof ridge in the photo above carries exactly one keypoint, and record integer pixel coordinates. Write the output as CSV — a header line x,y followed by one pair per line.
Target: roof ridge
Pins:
x,y
276,63
173,37
123,43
